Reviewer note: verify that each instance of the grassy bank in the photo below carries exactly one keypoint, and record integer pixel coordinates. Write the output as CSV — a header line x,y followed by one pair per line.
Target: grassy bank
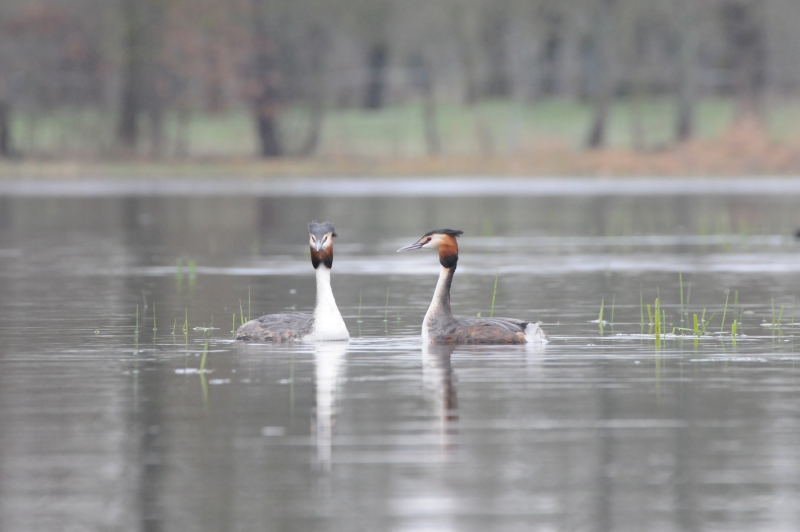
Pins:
x,y
493,138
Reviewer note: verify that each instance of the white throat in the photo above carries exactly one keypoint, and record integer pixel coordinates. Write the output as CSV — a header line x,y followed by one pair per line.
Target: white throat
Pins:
x,y
328,322
440,305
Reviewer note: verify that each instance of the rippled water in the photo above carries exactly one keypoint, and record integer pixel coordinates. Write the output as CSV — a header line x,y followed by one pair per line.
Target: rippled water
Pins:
x,y
104,428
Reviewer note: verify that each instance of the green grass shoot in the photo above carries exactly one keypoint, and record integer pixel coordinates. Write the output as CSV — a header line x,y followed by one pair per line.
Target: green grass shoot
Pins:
x,y
724,311
696,326
649,315
144,301
241,312
203,359
154,318
192,275
658,319
174,324
733,327
233,323
137,320
494,292
186,321
706,322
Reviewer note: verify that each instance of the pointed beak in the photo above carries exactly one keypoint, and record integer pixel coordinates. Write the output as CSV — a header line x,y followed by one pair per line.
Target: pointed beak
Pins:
x,y
415,245
318,245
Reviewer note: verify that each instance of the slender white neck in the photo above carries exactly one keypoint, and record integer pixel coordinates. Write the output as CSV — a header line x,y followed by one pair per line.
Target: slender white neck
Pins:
x,y
440,306
328,322
326,304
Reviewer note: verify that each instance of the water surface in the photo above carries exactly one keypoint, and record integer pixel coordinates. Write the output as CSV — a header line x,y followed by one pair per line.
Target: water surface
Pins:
x,y
110,423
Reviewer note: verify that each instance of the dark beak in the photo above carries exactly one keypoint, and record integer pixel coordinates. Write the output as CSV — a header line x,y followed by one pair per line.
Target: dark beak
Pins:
x,y
415,245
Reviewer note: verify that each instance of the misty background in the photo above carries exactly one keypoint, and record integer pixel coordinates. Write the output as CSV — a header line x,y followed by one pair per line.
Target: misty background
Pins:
x,y
174,79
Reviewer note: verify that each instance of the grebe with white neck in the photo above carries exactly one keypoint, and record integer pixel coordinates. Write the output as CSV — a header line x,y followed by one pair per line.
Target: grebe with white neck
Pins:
x,y
326,323
441,327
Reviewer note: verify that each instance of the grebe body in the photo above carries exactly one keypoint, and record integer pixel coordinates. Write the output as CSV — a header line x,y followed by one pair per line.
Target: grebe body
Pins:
x,y
441,327
326,323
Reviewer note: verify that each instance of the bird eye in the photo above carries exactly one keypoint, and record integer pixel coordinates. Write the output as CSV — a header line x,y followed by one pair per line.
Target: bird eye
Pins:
x,y
429,239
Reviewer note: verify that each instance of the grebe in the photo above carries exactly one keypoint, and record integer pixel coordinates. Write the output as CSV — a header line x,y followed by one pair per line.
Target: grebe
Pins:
x,y
441,327
325,323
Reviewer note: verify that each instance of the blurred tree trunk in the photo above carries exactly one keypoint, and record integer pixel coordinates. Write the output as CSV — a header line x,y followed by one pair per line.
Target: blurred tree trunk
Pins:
x,y
376,65
5,129
551,54
132,75
143,90
268,85
742,26
601,77
687,58
494,29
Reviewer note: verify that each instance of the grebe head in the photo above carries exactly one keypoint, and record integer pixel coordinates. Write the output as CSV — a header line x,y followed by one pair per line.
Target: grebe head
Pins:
x,y
320,241
442,240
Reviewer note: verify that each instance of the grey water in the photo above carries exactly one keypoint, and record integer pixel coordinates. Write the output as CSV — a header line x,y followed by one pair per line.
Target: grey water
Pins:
x,y
114,416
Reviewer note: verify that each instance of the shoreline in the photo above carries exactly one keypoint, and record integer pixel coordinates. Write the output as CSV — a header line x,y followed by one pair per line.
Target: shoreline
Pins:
x,y
412,186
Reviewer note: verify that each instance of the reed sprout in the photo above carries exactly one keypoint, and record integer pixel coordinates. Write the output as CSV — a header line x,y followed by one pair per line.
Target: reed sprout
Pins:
x,y
724,312
600,316
494,292
658,323
203,359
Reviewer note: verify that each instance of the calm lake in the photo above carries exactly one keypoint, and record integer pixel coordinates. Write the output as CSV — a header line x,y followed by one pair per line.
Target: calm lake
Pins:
x,y
124,404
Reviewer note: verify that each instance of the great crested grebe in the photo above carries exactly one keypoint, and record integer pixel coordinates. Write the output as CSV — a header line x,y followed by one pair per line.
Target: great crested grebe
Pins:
x,y
441,327
325,323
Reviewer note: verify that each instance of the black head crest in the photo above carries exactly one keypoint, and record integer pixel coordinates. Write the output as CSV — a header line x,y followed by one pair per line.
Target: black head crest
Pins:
x,y
321,229
449,232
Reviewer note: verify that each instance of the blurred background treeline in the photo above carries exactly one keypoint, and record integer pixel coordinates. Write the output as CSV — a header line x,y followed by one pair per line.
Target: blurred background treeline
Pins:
x,y
397,79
